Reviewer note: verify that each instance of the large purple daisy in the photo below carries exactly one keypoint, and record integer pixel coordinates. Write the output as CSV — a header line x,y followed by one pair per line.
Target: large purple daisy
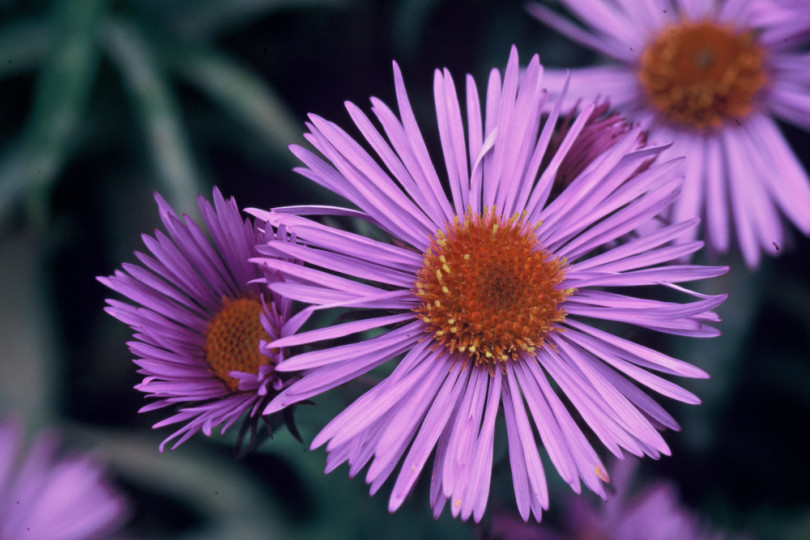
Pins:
x,y
485,295
202,321
43,495
712,77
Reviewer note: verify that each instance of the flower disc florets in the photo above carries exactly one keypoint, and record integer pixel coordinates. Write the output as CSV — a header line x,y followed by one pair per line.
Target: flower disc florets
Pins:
x,y
232,341
488,288
700,74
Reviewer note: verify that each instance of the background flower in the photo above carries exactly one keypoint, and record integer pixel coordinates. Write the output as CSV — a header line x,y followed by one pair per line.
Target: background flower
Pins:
x,y
712,77
653,513
47,495
485,293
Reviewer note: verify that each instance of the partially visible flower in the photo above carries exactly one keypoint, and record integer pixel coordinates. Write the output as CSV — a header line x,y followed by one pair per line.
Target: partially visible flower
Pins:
x,y
603,128
488,296
655,513
47,496
711,77
203,322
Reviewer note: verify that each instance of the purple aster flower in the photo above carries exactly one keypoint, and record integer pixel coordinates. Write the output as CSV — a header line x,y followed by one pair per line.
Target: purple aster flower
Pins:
x,y
601,130
712,77
785,21
44,495
484,295
655,513
202,322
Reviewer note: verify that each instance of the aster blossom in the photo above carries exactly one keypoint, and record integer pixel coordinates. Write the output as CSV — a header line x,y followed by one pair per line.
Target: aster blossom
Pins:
x,y
202,321
652,513
481,295
47,496
712,77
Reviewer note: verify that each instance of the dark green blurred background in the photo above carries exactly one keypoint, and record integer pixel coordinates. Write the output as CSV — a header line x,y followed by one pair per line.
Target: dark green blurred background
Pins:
x,y
104,102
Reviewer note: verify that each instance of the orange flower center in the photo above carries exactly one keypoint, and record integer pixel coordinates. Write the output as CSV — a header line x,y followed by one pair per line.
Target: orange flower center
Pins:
x,y
488,289
232,341
700,74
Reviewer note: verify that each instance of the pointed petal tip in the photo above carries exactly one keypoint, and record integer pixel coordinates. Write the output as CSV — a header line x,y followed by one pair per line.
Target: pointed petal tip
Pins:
x,y
318,441
514,59
160,200
398,79
273,407
394,503
698,373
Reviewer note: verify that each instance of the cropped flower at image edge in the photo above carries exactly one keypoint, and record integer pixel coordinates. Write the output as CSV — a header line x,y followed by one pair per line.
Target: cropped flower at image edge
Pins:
x,y
653,512
484,294
44,495
710,77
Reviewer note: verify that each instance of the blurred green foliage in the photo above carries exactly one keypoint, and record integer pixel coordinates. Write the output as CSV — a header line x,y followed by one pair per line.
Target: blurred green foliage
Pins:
x,y
152,46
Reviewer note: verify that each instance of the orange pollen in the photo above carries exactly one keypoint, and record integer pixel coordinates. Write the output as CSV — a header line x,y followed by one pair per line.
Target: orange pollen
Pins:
x,y
700,74
232,341
488,289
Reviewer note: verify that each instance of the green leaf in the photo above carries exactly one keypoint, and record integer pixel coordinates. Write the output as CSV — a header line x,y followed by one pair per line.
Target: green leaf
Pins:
x,y
62,90
24,44
410,19
156,106
30,366
242,94
202,18
233,501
